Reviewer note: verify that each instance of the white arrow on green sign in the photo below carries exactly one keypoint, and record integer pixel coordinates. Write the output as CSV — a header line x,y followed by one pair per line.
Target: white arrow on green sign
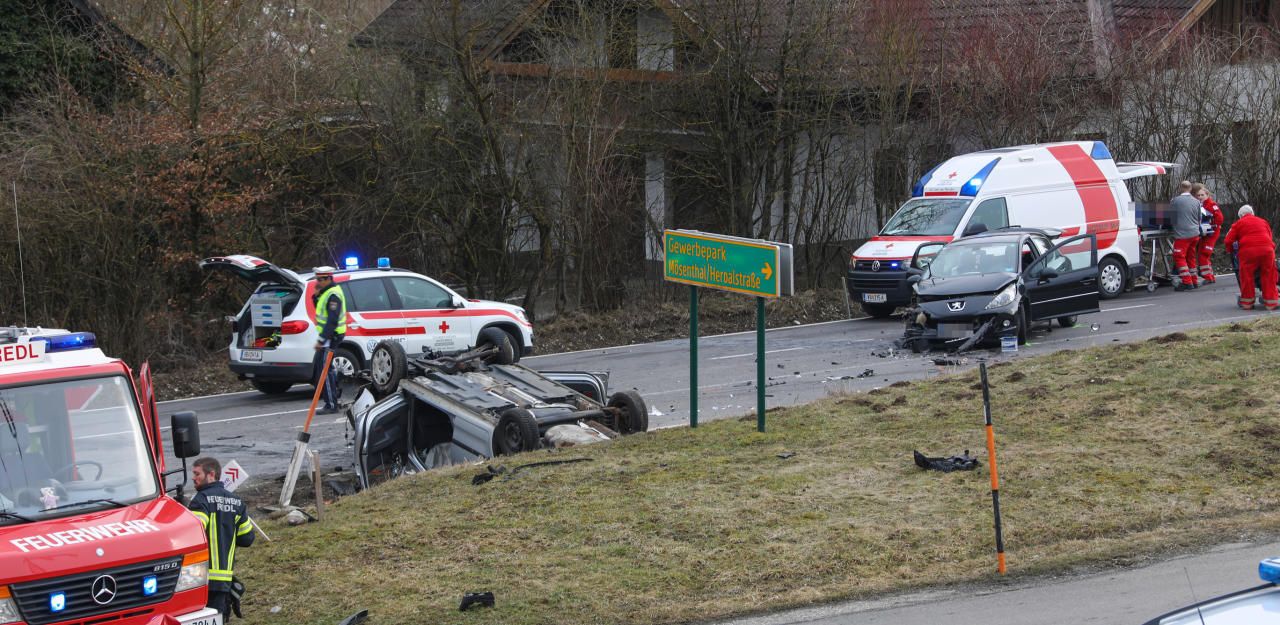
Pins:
x,y
750,266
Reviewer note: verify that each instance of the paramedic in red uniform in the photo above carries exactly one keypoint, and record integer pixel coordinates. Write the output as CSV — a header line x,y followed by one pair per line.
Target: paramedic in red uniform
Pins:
x,y
1257,253
1186,235
1210,229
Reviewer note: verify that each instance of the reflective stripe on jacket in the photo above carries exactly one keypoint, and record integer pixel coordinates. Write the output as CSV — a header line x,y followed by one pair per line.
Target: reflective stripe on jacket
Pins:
x,y
226,526
331,312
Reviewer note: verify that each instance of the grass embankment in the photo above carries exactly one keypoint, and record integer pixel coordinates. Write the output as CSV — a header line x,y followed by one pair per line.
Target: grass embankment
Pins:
x,y
1105,454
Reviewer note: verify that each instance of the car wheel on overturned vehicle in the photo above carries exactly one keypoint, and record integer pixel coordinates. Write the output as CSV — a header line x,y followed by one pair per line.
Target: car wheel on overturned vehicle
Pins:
x,y
517,431
387,366
270,387
496,337
632,414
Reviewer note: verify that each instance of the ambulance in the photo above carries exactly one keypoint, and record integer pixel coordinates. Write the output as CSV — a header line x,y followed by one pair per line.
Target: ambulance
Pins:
x,y
1073,187
274,335
88,533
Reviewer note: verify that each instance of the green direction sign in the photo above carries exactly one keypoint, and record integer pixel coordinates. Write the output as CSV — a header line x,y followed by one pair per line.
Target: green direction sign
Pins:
x,y
751,266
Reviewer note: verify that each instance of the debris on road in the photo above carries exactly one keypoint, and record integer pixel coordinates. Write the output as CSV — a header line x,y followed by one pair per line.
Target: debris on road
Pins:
x,y
945,362
867,373
1121,322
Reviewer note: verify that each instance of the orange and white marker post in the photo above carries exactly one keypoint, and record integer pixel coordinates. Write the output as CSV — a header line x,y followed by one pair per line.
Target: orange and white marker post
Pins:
x,y
304,437
995,474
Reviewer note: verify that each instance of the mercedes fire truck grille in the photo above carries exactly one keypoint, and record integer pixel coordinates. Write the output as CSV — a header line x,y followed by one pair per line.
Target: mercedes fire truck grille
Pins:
x,y
116,589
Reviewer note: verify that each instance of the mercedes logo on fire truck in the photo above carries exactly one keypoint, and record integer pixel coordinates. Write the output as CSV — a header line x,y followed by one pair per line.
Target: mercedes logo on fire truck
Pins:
x,y
103,589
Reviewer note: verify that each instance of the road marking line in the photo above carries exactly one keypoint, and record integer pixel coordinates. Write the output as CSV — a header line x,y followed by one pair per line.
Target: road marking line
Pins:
x,y
713,336
170,401
252,416
1107,310
774,351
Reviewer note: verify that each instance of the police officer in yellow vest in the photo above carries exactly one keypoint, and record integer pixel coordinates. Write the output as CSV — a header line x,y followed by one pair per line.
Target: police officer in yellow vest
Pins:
x,y
331,323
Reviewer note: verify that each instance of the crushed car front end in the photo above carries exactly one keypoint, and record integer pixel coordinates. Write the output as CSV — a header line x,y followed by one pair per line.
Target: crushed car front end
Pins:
x,y
953,317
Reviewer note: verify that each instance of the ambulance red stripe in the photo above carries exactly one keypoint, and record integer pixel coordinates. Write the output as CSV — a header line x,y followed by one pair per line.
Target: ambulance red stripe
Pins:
x,y
1102,216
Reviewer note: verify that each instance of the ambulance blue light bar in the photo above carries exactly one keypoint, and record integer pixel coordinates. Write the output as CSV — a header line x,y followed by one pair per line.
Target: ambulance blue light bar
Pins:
x,y
917,190
1269,570
972,187
384,263
1100,151
353,262
68,342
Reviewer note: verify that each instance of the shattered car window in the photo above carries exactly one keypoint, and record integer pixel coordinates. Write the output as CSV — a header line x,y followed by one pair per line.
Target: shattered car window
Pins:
x,y
975,258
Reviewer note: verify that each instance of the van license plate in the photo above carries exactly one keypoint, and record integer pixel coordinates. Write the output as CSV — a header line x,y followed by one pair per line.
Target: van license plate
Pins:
x,y
208,620
875,298
251,354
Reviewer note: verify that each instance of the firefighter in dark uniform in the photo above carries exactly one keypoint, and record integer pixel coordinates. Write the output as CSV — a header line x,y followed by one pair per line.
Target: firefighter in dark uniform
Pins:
x,y
226,526
331,323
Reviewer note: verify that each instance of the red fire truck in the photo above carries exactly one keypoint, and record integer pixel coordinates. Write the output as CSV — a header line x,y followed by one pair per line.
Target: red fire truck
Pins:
x,y
88,532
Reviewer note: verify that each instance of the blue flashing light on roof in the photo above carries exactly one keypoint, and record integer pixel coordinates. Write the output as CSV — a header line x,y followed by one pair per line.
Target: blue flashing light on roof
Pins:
x,y
971,188
68,342
352,262
384,262
1269,570
1100,151
917,190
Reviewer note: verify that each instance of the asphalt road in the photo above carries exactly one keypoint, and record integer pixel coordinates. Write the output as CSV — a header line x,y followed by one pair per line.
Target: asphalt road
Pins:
x,y
1130,596
803,363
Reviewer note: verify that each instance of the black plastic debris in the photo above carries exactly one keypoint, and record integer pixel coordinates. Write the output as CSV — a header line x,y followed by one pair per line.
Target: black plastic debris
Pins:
x,y
943,362
867,373
472,599
1121,322
946,465
355,619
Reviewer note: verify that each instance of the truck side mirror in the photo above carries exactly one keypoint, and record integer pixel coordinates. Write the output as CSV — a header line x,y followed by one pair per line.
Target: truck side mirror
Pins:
x,y
914,278
186,434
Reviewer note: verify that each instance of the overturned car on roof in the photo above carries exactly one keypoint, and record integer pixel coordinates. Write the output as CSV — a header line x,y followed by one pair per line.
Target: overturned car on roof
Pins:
x,y
422,412
983,287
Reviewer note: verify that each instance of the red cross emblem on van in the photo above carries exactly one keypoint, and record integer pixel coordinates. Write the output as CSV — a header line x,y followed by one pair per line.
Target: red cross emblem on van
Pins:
x,y
444,327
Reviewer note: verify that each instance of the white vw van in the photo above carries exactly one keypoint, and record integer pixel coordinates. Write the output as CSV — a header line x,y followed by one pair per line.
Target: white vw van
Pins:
x,y
1075,187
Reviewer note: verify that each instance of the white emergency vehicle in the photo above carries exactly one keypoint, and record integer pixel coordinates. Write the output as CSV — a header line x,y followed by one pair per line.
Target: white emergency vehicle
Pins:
x,y
1073,187
273,337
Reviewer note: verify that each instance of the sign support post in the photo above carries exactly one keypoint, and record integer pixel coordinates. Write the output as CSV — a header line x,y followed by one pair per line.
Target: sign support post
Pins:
x,y
760,364
749,266
693,356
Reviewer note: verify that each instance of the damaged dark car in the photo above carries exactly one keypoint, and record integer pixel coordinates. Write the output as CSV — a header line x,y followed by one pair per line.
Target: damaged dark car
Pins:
x,y
980,288
421,412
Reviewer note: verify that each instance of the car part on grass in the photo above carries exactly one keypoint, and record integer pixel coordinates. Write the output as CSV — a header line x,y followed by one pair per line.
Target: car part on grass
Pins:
x,y
356,619
471,599
948,464
491,471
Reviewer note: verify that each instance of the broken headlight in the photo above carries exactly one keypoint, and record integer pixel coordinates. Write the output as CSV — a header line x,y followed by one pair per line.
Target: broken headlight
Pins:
x,y
1005,297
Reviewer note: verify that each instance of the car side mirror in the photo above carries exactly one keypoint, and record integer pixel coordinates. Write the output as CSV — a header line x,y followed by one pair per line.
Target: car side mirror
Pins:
x,y
458,302
914,278
915,271
1048,274
186,434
